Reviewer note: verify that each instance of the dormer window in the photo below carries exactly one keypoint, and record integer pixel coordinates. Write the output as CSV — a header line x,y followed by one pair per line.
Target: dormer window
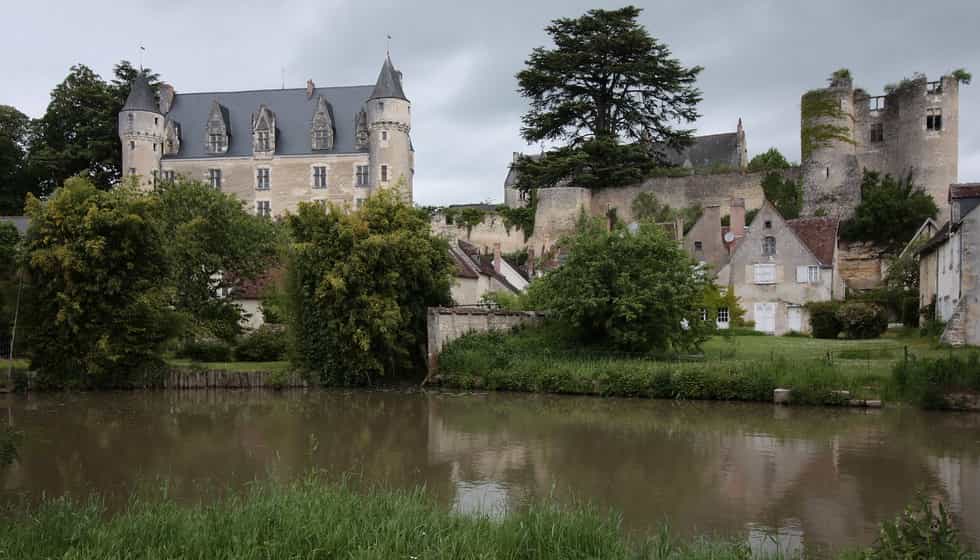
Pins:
x,y
218,130
171,134
322,130
262,142
264,131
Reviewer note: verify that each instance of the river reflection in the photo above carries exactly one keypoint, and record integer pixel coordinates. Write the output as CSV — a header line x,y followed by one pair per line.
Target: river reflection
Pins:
x,y
801,477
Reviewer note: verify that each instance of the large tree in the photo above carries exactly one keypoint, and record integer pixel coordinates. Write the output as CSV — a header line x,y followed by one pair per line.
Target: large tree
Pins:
x,y
101,307
890,212
610,95
14,140
632,290
78,132
213,245
360,284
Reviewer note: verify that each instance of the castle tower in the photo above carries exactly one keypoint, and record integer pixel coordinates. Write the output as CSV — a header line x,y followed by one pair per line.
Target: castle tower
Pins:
x,y
831,174
141,130
392,157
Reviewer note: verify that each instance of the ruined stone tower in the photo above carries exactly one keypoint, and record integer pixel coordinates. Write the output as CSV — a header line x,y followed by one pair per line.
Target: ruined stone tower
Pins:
x,y
911,130
141,130
389,115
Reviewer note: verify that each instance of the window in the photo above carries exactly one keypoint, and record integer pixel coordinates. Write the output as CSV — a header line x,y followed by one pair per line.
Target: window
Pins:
x,y
154,146
384,173
768,224
381,105
698,246
214,178
170,145
827,173
769,246
876,103
321,139
263,141
934,119
263,208
319,177
169,175
384,135
523,196
723,315
262,182
156,120
813,274
359,203
132,145
362,175
764,273
132,171
216,143
704,314
877,132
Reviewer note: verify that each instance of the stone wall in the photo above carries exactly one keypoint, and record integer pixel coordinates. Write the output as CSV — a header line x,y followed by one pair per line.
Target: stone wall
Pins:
x,y
446,324
860,265
558,208
291,178
964,326
484,235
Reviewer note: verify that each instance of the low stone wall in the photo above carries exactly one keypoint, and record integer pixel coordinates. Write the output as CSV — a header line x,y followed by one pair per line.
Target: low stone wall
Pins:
x,y
484,235
190,378
446,324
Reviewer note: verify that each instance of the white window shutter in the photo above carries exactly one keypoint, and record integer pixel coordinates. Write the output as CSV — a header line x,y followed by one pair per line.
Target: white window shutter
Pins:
x,y
801,274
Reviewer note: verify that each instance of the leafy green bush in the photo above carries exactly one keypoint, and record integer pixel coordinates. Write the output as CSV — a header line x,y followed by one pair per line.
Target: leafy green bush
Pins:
x,y
265,344
928,382
919,532
206,350
824,320
861,320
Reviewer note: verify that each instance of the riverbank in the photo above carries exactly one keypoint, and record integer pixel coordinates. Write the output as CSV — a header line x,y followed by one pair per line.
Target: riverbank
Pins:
x,y
738,368
317,519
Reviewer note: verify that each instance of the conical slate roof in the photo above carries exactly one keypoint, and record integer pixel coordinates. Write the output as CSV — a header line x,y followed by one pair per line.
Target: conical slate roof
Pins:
x,y
389,82
141,96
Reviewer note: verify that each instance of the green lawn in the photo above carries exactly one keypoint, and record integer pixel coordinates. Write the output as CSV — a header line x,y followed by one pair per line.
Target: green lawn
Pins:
x,y
19,363
232,366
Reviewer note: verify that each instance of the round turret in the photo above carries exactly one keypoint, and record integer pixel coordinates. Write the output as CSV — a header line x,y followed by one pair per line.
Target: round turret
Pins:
x,y
141,131
831,175
390,123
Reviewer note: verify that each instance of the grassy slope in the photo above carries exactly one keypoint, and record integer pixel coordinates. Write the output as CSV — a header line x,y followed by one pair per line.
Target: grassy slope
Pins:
x,y
232,366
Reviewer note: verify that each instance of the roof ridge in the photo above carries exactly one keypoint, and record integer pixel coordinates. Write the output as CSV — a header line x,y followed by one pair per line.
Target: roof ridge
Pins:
x,y
267,90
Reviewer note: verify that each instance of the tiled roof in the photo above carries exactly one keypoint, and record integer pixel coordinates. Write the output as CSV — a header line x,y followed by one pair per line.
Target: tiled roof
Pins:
x,y
819,235
964,190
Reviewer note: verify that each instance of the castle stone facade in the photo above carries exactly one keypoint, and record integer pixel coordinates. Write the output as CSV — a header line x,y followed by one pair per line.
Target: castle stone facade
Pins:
x,y
911,131
274,148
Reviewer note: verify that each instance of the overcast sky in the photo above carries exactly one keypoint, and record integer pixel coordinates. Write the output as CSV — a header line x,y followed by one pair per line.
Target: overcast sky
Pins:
x,y
459,59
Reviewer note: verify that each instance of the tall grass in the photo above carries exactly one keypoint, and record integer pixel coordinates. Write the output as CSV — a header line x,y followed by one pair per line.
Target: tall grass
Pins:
x,y
314,519
539,360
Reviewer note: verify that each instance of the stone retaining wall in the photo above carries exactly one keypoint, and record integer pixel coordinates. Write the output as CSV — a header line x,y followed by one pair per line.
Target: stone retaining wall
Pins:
x,y
190,378
446,324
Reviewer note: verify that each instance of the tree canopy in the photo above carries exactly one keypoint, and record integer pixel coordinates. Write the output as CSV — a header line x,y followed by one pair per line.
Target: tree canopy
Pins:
x,y
15,182
359,286
785,194
213,245
890,212
610,94
98,271
637,292
768,160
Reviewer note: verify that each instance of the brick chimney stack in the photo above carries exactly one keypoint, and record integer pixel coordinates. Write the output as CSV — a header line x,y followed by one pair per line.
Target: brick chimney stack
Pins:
x,y
737,214
497,258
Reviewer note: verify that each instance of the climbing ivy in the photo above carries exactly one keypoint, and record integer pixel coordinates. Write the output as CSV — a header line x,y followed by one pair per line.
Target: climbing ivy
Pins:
x,y
818,105
521,218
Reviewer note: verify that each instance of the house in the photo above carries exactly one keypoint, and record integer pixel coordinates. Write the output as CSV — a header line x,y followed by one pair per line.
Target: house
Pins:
x,y
710,242
478,274
949,268
780,265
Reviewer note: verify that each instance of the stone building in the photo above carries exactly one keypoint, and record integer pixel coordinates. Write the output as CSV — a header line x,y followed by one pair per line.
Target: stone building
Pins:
x,y
780,265
949,268
911,131
478,274
274,148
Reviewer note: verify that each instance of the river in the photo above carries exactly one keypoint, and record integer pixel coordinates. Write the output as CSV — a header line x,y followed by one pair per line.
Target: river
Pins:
x,y
806,478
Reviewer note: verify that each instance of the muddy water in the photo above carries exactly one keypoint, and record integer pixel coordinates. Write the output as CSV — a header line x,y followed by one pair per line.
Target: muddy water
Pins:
x,y
808,478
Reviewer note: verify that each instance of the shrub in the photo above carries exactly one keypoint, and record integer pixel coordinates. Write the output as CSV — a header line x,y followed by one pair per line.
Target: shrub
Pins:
x,y
206,350
861,320
265,344
824,320
919,532
927,382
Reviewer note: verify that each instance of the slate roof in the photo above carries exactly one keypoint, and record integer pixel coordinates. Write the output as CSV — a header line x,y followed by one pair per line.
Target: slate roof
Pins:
x,y
141,96
389,82
819,235
707,151
20,222
294,119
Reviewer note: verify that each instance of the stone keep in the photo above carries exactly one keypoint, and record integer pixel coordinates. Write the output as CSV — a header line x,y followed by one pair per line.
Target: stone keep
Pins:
x,y
913,130
276,148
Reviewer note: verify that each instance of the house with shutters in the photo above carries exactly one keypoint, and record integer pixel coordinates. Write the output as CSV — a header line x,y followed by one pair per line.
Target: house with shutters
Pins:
x,y
779,265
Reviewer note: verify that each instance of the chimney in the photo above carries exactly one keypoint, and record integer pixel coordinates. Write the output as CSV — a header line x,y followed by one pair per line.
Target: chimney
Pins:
x,y
737,213
530,263
497,258
167,94
711,234
310,87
